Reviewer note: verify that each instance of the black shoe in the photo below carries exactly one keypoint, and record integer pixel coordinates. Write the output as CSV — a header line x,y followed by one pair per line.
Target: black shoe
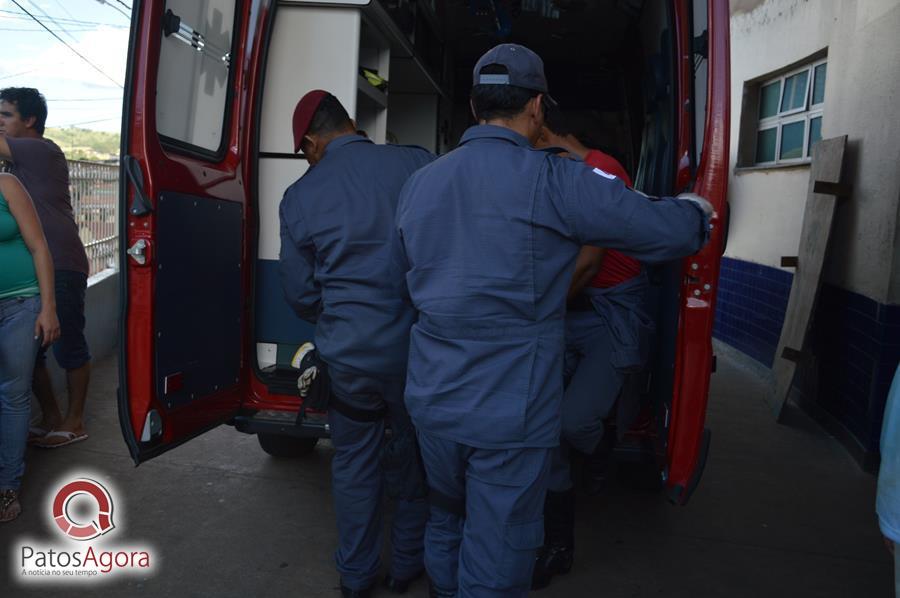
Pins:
x,y
558,553
434,592
399,586
348,593
551,560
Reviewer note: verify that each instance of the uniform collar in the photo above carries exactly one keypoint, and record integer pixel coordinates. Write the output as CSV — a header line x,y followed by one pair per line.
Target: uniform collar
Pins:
x,y
339,142
493,132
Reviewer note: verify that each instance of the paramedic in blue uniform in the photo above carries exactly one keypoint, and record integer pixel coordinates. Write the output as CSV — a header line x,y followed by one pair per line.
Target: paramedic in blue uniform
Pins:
x,y
488,236
336,224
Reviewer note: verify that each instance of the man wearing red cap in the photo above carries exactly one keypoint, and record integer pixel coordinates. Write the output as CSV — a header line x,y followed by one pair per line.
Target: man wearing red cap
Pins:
x,y
335,268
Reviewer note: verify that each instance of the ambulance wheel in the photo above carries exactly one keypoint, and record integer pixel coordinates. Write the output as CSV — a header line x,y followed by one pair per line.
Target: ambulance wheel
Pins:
x,y
286,447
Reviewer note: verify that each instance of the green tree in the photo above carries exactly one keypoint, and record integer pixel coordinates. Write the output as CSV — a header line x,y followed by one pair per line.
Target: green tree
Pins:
x,y
85,144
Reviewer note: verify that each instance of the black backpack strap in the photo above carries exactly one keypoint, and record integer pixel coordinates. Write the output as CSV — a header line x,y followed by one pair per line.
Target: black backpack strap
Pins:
x,y
355,413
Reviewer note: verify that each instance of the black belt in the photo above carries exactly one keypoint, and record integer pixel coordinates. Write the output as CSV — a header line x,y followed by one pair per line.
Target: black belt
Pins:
x,y
355,413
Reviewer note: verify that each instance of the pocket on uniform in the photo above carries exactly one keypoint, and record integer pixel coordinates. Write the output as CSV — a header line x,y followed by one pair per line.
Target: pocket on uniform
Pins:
x,y
522,542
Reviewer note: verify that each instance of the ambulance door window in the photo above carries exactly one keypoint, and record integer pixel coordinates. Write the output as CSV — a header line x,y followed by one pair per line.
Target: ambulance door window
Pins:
x,y
194,75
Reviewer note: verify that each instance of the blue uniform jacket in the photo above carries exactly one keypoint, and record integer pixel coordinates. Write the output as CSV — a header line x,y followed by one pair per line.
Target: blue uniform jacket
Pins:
x,y
337,221
488,235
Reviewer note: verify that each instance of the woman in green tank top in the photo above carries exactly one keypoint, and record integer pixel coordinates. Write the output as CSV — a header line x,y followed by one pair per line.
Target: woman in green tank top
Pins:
x,y
27,319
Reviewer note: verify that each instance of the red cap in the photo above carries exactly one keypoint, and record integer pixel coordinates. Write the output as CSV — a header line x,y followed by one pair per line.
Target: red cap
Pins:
x,y
303,114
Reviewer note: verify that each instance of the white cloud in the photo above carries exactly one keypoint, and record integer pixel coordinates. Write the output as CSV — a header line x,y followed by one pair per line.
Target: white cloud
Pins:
x,y
34,58
106,48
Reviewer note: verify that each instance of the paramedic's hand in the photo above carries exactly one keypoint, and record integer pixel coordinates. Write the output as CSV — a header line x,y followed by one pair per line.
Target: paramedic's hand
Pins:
x,y
47,326
700,202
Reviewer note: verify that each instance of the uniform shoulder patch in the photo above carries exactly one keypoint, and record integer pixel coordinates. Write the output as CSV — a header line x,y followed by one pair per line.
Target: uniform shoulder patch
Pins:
x,y
604,174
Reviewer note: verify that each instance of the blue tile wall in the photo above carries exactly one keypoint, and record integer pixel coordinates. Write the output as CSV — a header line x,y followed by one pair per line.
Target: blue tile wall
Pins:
x,y
856,340
750,307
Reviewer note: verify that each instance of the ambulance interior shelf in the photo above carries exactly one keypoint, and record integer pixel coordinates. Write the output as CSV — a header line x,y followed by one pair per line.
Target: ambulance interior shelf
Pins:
x,y
403,110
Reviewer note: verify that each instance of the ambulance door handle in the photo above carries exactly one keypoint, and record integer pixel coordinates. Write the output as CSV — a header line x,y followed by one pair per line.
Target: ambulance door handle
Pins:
x,y
136,251
140,206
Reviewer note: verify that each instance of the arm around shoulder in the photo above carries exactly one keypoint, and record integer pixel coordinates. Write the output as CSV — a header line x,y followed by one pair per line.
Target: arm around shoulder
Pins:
x,y
604,212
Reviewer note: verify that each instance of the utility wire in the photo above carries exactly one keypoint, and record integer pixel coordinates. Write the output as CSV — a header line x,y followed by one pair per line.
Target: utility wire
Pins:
x,y
84,99
120,2
65,10
85,122
20,30
15,14
62,41
52,20
116,8
17,74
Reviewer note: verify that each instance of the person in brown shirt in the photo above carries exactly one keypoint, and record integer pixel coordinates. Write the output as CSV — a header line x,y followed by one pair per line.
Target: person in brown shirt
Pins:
x,y
43,170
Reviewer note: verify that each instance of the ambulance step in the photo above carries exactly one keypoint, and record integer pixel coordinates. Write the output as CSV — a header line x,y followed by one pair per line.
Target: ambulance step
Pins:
x,y
315,425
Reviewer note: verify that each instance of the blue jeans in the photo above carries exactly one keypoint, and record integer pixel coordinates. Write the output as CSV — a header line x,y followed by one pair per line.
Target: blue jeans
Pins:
x,y
17,350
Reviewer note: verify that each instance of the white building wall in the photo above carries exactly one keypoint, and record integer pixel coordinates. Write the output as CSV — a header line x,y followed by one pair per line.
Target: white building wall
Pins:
x,y
862,100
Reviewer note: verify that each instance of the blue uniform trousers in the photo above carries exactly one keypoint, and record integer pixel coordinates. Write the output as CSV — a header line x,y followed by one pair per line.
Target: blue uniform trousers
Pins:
x,y
361,475
593,384
490,550
602,345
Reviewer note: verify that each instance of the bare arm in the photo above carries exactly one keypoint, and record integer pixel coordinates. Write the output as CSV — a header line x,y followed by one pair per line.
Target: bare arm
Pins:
x,y
22,209
586,267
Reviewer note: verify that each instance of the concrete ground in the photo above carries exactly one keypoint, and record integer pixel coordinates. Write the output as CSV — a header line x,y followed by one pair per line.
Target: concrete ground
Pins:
x,y
782,511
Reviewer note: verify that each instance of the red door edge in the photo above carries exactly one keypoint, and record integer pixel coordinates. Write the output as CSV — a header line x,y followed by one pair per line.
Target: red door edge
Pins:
x,y
688,439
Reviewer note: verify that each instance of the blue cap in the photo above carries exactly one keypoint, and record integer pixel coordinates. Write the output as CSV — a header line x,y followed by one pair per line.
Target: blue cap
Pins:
x,y
524,68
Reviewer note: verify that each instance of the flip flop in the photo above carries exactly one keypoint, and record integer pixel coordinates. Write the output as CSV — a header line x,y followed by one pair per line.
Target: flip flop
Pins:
x,y
67,436
36,432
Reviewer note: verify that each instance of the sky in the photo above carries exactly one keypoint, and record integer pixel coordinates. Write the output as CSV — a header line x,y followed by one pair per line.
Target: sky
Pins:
x,y
77,94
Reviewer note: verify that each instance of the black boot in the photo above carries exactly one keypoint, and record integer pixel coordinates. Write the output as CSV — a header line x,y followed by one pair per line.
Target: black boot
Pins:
x,y
434,592
558,552
395,585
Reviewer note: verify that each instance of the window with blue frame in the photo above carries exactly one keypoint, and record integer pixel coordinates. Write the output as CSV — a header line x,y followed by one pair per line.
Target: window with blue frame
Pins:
x,y
789,122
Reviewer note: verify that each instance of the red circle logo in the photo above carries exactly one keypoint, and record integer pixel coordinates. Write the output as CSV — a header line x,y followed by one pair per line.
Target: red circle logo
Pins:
x,y
79,530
